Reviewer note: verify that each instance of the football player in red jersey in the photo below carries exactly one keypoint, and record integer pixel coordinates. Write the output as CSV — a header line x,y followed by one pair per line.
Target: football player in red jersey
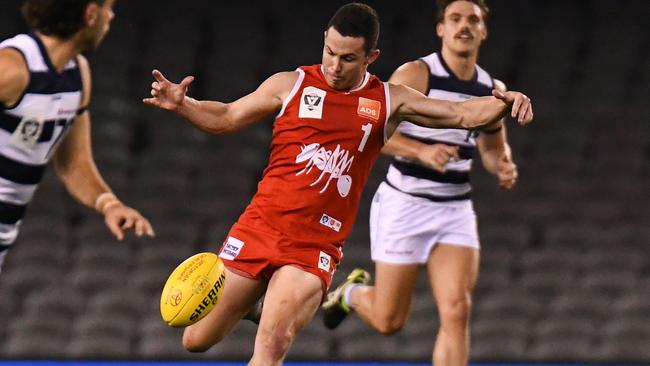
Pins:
x,y
332,120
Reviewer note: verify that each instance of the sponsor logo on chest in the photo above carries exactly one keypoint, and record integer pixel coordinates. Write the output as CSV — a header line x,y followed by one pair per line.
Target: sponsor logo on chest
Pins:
x,y
369,108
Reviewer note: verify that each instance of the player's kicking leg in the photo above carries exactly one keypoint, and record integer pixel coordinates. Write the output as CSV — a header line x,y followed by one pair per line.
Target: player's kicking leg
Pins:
x,y
239,294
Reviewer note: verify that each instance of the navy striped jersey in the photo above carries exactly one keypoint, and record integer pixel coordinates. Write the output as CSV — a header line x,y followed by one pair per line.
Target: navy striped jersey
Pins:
x,y
417,180
31,129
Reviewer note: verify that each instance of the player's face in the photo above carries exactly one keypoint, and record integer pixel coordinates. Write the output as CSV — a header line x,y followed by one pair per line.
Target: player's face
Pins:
x,y
99,23
462,29
344,60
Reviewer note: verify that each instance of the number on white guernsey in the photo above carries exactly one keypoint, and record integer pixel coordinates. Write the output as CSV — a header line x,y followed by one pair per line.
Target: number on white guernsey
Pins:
x,y
366,133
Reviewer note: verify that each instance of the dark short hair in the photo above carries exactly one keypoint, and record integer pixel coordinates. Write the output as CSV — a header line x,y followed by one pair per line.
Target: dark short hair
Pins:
x,y
443,4
357,20
58,18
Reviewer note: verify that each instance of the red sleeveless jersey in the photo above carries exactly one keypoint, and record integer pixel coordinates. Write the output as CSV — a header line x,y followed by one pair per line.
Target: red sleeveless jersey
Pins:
x,y
325,142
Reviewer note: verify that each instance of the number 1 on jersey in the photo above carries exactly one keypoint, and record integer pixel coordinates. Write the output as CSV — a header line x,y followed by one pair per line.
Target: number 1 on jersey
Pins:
x,y
366,133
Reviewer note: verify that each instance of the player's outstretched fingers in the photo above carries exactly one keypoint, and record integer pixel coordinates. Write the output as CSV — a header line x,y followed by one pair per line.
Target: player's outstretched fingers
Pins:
x,y
186,82
158,76
151,101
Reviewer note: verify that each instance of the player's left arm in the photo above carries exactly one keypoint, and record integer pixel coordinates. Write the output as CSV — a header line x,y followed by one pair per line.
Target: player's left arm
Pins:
x,y
76,168
495,151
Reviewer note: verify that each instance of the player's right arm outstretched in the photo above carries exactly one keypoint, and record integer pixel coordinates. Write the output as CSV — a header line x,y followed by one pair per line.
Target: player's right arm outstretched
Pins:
x,y
217,117
413,106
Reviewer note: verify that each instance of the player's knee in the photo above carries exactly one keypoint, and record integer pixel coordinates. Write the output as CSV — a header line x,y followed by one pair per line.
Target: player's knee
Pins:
x,y
194,342
390,323
455,310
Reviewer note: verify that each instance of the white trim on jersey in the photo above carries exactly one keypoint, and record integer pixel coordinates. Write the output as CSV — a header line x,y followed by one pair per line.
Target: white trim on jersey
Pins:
x,y
435,66
387,94
366,78
29,48
483,77
296,87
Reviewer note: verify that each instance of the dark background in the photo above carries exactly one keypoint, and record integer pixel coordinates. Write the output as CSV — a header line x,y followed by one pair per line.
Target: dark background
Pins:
x,y
565,271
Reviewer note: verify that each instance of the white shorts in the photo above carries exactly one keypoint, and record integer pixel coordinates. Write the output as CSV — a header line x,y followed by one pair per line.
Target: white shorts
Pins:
x,y
404,229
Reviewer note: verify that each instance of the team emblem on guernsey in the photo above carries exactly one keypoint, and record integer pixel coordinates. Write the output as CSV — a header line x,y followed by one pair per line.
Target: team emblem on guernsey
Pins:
x,y
27,133
311,103
332,164
369,108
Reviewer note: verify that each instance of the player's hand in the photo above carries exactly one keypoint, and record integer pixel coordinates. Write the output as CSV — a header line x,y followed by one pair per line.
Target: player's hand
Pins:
x,y
165,94
507,173
119,217
521,106
437,156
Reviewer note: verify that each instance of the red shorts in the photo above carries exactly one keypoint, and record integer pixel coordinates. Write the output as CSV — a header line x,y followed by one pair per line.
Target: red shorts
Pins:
x,y
256,249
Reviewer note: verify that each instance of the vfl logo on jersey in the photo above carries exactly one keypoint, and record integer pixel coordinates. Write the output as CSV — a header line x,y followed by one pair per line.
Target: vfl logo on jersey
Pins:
x,y
333,163
27,133
311,103
324,261
330,222
369,108
231,248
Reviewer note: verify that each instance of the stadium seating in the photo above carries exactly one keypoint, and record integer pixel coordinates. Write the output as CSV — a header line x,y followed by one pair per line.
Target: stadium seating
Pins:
x,y
565,270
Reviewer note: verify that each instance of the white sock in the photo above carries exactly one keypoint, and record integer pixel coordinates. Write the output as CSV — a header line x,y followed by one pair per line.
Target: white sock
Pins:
x,y
348,292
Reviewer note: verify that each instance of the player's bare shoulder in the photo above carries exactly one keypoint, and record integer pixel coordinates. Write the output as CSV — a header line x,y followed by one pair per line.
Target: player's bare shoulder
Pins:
x,y
280,85
14,77
414,74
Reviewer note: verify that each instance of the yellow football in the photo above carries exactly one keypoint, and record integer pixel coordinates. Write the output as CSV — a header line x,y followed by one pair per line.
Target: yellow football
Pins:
x,y
192,289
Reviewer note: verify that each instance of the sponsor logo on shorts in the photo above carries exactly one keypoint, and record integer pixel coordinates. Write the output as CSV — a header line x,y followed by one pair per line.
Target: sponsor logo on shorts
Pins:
x,y
324,261
231,248
330,222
